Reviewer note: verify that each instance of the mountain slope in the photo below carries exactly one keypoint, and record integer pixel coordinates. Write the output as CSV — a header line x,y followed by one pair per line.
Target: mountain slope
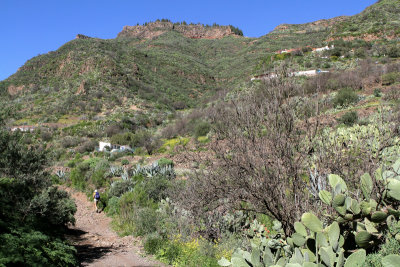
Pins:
x,y
168,65
381,20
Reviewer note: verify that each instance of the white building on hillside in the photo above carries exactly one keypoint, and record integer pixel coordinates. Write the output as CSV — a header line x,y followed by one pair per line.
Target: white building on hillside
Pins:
x,y
103,145
325,48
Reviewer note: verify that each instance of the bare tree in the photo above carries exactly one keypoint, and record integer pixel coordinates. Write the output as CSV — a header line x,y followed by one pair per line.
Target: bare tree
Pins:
x,y
259,154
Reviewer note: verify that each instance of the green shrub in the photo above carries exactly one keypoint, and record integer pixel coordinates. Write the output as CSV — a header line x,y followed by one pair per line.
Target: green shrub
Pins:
x,y
171,144
196,257
112,206
170,252
202,128
156,187
75,161
349,118
326,65
78,179
162,162
33,248
46,136
118,188
345,97
34,214
83,166
101,164
125,162
282,56
392,246
394,52
123,138
377,92
98,179
153,243
360,53
308,64
136,197
390,78
145,221
203,139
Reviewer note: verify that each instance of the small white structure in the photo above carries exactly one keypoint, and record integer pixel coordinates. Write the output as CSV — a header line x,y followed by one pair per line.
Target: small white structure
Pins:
x,y
23,128
263,77
113,148
308,73
325,48
103,145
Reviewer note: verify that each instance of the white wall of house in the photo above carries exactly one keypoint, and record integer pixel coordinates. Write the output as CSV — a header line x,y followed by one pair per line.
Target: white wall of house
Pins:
x,y
306,73
320,49
102,145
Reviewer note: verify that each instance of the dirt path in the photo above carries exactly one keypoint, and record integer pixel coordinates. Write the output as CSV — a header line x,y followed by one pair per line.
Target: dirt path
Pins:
x,y
97,244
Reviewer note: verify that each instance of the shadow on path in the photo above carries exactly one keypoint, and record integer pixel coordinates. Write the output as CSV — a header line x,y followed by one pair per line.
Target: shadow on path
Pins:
x,y
86,252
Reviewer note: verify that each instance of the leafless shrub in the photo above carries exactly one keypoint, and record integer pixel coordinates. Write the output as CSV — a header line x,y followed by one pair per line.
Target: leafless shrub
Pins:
x,y
45,135
87,146
113,129
183,124
260,150
70,141
393,93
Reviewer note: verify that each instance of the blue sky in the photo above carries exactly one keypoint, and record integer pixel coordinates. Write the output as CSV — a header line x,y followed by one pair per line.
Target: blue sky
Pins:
x,y
32,27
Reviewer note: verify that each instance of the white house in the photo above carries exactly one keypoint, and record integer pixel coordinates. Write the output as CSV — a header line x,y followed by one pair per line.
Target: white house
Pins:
x,y
103,145
113,148
308,73
321,49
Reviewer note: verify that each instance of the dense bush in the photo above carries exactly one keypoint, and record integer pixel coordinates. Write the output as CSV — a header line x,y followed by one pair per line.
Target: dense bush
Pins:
x,y
156,187
345,97
377,92
165,162
46,136
34,214
118,188
87,146
349,118
69,141
394,52
126,138
98,178
391,246
153,243
77,178
145,222
202,128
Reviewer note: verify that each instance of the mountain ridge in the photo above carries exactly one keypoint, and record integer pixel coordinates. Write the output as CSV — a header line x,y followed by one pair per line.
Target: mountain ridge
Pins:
x,y
166,64
193,31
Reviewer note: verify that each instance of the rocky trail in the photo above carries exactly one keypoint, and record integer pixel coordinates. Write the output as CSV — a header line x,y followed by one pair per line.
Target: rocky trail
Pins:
x,y
97,244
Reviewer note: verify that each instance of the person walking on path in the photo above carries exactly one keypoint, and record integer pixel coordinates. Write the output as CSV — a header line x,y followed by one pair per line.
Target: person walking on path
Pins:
x,y
96,198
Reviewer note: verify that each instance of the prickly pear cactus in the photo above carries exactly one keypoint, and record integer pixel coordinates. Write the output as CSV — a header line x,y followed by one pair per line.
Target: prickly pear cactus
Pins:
x,y
315,243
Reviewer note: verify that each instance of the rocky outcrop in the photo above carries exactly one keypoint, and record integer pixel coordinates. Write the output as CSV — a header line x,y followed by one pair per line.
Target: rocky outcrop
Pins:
x,y
194,31
81,36
14,90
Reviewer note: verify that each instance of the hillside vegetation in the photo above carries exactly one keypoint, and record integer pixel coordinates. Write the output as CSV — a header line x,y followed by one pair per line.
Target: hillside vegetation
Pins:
x,y
281,150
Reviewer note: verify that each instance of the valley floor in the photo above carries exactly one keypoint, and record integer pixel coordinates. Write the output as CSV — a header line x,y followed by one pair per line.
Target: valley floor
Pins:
x,y
97,243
